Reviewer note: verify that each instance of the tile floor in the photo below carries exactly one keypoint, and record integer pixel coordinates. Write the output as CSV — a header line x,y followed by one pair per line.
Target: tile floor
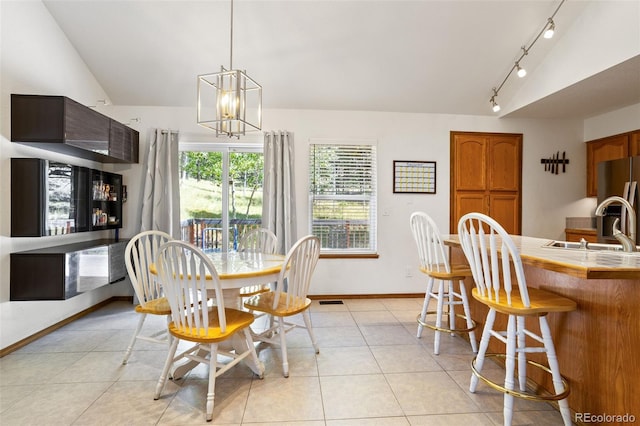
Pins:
x,y
371,370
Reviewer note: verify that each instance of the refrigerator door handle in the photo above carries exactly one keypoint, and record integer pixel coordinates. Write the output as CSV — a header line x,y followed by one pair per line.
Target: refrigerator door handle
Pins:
x,y
623,211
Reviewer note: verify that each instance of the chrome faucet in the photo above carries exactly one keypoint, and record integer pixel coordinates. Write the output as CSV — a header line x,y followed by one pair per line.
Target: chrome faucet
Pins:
x,y
628,241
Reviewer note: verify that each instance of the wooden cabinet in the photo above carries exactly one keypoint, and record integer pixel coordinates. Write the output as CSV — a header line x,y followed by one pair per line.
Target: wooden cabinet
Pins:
x,y
486,177
51,198
123,142
576,235
609,148
61,272
60,124
634,143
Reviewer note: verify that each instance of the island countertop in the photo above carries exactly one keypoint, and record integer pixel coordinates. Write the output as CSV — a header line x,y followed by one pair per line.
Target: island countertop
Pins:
x,y
589,264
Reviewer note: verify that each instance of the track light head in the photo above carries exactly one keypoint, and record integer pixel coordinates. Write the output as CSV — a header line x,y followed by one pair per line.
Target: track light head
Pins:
x,y
550,30
521,71
494,105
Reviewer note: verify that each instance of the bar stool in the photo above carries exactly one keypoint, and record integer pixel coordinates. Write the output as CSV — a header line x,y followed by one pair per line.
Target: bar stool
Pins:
x,y
495,261
434,263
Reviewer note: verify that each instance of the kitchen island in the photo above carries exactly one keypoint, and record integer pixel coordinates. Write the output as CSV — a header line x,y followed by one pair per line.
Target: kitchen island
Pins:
x,y
598,345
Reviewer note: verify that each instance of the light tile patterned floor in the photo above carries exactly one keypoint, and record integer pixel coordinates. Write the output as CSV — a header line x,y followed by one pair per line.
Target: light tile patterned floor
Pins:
x,y
371,370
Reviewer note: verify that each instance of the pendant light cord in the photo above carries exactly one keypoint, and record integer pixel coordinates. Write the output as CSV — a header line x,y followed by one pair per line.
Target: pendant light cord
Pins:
x,y
231,40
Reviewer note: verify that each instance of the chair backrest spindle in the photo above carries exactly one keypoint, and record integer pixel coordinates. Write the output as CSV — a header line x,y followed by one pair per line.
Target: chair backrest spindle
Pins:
x,y
139,254
430,247
493,257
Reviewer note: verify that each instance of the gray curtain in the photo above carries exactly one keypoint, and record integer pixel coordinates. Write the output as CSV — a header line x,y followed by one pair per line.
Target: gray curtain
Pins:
x,y
278,202
161,192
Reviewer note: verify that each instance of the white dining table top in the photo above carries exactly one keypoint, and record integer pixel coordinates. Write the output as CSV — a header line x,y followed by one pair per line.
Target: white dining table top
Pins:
x,y
234,265
237,270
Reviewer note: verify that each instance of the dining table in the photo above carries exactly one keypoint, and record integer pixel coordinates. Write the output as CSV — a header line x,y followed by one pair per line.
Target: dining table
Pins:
x,y
235,271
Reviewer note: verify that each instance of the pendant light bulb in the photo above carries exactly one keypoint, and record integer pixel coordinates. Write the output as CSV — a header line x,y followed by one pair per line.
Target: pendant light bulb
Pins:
x,y
521,71
495,107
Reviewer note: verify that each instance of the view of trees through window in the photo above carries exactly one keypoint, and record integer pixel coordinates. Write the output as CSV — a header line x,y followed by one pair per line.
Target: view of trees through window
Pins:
x,y
203,189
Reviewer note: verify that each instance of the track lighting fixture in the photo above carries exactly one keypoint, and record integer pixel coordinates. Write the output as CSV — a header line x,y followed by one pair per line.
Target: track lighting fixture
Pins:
x,y
547,31
494,104
550,29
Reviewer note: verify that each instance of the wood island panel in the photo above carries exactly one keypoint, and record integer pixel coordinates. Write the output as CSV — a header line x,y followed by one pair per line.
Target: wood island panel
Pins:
x,y
598,345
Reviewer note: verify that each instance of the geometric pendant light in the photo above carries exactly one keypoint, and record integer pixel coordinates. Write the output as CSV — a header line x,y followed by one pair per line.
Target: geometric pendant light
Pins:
x,y
229,101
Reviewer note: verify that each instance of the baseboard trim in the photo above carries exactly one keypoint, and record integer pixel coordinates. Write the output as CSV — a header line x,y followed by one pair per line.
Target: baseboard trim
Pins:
x,y
54,327
367,296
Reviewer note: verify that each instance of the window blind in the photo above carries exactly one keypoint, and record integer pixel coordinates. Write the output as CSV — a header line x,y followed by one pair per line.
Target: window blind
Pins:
x,y
342,197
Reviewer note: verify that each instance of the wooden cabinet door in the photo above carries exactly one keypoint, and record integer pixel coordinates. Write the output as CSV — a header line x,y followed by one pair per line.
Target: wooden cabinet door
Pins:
x,y
504,167
470,154
634,143
85,128
505,208
486,177
609,148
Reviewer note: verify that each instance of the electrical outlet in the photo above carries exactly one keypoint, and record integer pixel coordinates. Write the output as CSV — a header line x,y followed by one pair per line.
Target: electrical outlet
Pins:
x,y
409,273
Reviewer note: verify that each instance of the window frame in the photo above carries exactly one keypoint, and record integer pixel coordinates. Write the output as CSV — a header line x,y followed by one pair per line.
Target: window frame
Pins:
x,y
226,148
325,252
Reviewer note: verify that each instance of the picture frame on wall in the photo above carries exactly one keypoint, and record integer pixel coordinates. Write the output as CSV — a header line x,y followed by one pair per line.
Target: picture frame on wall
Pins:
x,y
414,177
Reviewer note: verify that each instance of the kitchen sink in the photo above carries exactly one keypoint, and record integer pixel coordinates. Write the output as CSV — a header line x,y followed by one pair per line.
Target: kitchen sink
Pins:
x,y
570,245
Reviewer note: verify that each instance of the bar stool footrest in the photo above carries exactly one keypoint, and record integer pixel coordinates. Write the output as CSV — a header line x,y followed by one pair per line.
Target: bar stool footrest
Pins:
x,y
517,393
447,330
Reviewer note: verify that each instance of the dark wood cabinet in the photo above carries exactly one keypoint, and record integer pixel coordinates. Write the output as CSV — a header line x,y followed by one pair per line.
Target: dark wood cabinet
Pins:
x,y
60,124
61,272
51,198
123,142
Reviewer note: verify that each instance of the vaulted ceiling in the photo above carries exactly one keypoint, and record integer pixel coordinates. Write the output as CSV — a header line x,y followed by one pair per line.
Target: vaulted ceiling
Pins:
x,y
419,56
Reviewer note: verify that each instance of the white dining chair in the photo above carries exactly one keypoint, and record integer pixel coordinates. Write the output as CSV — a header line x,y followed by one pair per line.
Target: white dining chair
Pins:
x,y
501,285
139,253
434,262
189,277
289,296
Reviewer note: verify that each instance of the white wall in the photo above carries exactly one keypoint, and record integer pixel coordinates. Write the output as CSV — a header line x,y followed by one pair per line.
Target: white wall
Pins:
x,y
620,121
37,58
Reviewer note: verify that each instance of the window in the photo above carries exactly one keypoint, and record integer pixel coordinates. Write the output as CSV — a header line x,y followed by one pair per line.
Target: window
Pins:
x,y
220,193
342,197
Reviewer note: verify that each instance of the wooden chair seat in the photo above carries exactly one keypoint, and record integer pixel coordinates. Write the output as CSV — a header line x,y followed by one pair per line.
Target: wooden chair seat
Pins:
x,y
264,303
236,320
458,272
158,306
541,301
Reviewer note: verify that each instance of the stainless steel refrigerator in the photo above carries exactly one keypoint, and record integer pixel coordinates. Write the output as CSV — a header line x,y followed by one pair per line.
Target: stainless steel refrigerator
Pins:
x,y
618,177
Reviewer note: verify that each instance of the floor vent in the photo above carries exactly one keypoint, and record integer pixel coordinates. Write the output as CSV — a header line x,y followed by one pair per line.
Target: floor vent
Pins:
x,y
331,302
